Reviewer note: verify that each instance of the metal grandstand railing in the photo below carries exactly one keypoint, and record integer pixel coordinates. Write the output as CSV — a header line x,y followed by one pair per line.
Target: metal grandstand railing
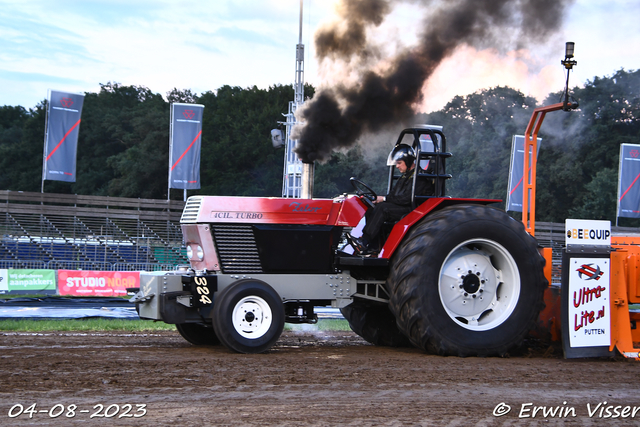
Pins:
x,y
142,266
19,265
80,265
551,235
62,231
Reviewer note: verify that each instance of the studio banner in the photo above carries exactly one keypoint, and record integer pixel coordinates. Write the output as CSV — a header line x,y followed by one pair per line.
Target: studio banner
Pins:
x,y
628,182
97,283
61,136
184,146
516,173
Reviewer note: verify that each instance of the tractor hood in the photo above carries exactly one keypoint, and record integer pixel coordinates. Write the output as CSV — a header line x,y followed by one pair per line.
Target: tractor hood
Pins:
x,y
342,211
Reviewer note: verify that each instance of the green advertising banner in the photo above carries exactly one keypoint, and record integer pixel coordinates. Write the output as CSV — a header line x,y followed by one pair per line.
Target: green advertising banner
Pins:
x,y
31,280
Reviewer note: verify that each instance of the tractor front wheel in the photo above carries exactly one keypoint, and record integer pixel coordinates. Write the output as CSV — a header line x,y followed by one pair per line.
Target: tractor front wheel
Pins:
x,y
248,316
467,281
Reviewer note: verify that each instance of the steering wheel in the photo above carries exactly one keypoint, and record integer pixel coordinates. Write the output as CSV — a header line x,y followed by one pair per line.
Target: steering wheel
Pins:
x,y
365,192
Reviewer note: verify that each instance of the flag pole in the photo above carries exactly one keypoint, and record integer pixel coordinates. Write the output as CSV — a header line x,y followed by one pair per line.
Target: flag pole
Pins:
x,y
170,150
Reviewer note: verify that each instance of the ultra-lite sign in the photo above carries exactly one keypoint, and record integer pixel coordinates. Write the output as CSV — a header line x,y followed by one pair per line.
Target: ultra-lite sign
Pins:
x,y
589,304
586,303
587,232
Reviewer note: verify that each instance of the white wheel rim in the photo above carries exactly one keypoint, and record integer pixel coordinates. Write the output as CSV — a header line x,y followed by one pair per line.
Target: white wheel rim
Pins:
x,y
479,284
251,317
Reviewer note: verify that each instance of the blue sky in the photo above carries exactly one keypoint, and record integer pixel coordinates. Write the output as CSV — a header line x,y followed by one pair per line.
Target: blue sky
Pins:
x,y
73,45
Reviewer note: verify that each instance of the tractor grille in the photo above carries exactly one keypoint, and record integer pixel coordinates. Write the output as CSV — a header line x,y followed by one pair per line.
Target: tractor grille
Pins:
x,y
191,209
237,249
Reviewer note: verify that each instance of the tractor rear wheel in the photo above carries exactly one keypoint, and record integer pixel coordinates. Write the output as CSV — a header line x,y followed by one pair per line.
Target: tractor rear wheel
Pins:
x,y
467,281
198,334
248,316
375,323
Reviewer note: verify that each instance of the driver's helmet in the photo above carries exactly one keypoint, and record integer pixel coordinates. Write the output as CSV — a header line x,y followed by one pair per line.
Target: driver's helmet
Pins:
x,y
402,152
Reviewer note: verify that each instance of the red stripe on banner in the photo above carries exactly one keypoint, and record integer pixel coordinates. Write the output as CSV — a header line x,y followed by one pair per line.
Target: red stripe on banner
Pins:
x,y
634,181
187,150
63,138
514,188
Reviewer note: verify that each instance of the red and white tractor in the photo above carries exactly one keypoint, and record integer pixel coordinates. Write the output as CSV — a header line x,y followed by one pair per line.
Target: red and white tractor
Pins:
x,y
454,276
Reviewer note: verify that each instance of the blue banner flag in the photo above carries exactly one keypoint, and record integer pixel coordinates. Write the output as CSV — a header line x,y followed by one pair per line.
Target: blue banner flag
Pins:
x,y
629,181
184,146
516,173
61,136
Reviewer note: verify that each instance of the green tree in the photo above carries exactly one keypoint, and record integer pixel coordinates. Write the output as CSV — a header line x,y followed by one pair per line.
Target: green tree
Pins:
x,y
21,148
332,178
237,155
599,198
12,122
578,146
116,119
141,170
479,130
181,96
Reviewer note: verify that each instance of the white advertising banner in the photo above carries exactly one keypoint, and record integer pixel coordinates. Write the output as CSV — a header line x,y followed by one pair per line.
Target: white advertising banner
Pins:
x,y
588,232
4,280
589,303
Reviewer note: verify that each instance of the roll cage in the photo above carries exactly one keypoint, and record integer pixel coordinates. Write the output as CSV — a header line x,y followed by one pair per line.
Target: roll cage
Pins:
x,y
430,145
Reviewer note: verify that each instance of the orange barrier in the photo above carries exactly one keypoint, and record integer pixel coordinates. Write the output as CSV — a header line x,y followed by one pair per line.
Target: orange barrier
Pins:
x,y
625,290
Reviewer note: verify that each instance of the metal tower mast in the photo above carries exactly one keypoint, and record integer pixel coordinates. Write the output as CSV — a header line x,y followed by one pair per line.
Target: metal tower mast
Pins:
x,y
292,180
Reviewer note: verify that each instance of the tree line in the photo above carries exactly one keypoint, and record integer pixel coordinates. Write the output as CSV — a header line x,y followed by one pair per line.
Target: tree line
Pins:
x,y
123,146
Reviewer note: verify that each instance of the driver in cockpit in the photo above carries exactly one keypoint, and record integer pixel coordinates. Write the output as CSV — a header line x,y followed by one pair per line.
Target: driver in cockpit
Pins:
x,y
394,205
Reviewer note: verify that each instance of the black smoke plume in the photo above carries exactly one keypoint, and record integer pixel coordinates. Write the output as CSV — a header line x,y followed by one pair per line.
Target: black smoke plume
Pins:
x,y
337,116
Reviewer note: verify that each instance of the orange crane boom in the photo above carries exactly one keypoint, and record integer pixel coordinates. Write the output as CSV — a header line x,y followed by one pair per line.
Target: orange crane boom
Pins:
x,y
530,161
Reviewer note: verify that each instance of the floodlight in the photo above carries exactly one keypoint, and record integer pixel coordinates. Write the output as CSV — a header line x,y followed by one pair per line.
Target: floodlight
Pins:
x,y
568,53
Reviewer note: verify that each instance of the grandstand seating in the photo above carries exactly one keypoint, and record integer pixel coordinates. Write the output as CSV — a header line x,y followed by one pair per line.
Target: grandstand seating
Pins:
x,y
6,253
40,230
63,251
26,251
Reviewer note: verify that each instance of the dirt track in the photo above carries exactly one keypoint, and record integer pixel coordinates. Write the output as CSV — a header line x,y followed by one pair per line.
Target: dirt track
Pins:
x,y
329,379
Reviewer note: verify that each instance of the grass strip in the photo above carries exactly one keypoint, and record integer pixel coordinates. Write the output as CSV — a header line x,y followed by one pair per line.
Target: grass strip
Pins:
x,y
89,324
100,324
339,325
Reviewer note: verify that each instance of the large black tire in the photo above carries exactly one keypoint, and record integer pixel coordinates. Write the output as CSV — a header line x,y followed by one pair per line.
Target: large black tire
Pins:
x,y
198,334
248,316
467,281
375,323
